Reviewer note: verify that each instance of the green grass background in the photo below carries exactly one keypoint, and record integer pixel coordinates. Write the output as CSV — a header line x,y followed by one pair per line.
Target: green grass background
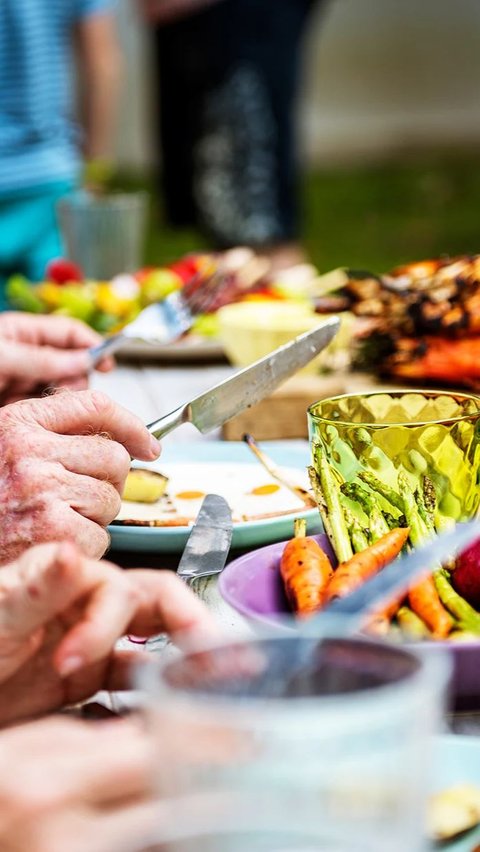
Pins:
x,y
369,217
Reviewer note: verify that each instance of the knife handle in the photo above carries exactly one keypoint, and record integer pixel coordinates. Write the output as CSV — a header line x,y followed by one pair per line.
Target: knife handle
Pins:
x,y
169,422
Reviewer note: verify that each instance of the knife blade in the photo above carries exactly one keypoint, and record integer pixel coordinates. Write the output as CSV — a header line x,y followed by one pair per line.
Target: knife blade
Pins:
x,y
248,386
208,544
396,578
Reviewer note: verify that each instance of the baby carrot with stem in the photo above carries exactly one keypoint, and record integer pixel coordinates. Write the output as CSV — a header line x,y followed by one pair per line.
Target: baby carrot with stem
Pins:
x,y
425,602
305,570
353,572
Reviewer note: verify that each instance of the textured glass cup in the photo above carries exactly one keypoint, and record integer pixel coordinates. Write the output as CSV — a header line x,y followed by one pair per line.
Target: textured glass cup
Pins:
x,y
293,743
417,431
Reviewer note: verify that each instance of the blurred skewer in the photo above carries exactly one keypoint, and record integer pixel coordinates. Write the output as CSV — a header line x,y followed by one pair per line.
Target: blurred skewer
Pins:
x,y
268,464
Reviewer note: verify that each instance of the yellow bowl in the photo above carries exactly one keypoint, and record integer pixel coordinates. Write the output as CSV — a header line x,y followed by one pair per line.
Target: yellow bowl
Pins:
x,y
418,432
250,330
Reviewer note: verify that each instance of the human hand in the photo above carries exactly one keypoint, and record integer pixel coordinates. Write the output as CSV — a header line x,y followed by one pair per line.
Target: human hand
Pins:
x,y
37,352
61,615
70,785
64,460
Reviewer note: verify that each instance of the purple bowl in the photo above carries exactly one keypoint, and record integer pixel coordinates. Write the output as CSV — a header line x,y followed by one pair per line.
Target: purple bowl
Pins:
x,y
252,585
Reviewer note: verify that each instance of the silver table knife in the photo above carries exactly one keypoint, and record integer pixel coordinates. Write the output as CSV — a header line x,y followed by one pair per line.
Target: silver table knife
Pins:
x,y
248,386
208,544
206,550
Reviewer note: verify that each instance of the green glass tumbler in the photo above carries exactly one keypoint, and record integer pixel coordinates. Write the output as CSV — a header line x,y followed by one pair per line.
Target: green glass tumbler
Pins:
x,y
420,432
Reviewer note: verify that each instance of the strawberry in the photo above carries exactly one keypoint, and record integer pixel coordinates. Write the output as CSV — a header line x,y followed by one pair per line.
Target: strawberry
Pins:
x,y
60,271
466,577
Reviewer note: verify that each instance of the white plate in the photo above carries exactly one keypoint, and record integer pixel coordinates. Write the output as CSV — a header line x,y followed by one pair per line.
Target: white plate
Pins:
x,y
224,468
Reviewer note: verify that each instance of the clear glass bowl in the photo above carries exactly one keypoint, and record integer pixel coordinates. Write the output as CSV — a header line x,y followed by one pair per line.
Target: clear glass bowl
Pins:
x,y
418,431
293,743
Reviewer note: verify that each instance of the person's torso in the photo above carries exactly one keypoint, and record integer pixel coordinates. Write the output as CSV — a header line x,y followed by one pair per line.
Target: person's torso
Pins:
x,y
37,132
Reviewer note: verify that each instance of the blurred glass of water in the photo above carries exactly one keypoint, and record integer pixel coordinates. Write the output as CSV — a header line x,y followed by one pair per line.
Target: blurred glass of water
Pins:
x,y
291,744
104,235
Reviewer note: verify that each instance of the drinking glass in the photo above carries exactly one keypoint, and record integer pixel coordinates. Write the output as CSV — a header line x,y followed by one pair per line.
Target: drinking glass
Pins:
x,y
293,742
419,432
104,234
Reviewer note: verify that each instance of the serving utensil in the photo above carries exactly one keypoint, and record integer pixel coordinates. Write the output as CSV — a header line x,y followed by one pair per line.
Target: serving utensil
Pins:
x,y
248,386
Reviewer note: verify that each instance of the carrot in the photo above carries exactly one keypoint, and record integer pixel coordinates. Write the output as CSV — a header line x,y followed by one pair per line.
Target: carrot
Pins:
x,y
425,602
352,573
379,622
305,571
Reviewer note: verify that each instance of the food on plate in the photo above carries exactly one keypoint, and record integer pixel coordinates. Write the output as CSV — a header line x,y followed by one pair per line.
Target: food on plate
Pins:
x,y
305,570
208,280
248,332
250,493
274,471
453,811
368,524
421,320
144,486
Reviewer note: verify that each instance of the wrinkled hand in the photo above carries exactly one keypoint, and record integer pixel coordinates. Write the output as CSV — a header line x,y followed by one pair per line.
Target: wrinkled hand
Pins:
x,y
63,464
60,616
38,352
70,785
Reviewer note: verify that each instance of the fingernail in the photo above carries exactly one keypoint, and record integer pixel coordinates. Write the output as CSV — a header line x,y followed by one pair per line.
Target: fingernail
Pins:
x,y
70,665
155,446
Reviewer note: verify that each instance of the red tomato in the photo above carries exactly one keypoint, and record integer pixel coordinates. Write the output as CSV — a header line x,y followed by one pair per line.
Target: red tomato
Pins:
x,y
61,271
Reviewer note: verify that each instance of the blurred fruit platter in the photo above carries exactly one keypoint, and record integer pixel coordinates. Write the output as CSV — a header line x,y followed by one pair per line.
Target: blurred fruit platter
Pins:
x,y
218,278
418,322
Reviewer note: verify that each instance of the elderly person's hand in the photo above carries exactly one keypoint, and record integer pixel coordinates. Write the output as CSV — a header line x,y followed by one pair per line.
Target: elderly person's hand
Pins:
x,y
63,464
71,786
37,352
61,615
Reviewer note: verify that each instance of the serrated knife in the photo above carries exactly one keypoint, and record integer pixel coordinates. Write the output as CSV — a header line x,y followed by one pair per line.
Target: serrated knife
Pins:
x,y
208,544
248,386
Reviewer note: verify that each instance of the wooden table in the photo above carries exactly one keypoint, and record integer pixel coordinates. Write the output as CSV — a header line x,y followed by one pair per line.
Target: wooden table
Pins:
x,y
150,391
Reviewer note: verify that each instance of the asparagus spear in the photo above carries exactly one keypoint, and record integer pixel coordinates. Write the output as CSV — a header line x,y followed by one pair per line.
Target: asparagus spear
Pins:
x,y
385,491
469,619
411,624
377,523
357,533
394,523
418,529
429,496
331,491
320,500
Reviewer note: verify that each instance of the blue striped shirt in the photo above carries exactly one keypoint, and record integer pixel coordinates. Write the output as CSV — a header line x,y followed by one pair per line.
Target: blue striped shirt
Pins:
x,y
38,137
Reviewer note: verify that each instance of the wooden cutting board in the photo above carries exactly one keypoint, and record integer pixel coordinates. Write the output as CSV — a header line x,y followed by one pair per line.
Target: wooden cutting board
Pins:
x,y
284,413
